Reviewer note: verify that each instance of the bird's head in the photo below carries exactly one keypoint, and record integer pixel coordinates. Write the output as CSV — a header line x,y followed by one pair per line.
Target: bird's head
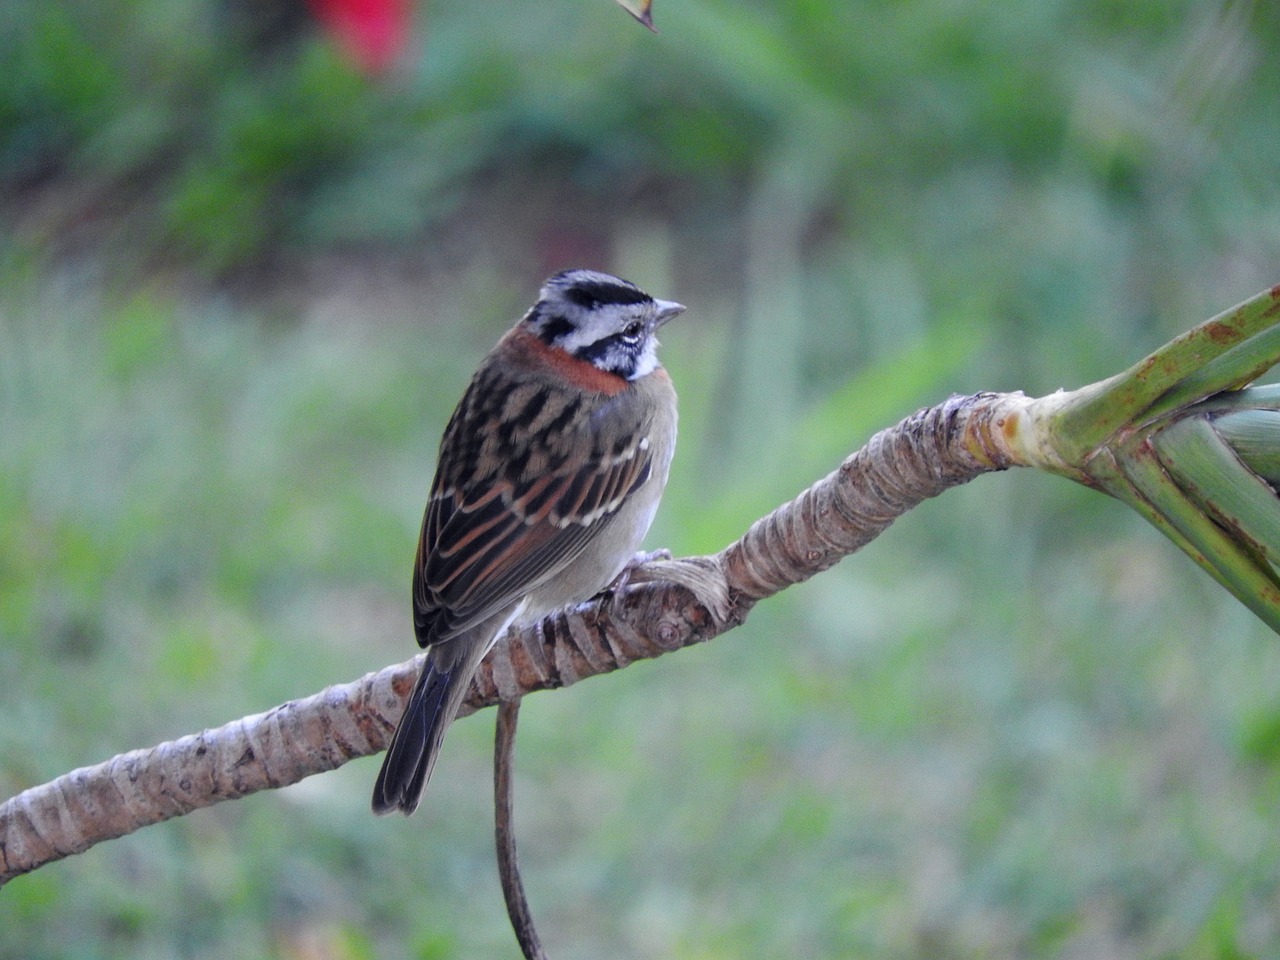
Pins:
x,y
608,322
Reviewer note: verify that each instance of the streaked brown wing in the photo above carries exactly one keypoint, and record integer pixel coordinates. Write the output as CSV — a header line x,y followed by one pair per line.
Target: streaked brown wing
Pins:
x,y
491,551
491,535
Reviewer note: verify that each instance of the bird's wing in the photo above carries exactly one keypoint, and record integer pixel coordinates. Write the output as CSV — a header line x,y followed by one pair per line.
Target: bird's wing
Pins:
x,y
497,525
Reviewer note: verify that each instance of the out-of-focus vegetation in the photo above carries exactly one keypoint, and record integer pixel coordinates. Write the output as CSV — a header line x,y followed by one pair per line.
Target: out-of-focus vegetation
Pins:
x,y
241,288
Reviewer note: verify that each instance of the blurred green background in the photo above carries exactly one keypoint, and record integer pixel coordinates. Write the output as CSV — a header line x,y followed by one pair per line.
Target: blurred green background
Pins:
x,y
241,287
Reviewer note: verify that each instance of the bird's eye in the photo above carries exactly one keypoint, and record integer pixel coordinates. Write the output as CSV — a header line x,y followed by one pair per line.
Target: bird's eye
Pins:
x,y
633,331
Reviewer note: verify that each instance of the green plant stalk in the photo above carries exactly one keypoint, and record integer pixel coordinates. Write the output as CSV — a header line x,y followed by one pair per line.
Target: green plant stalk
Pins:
x,y
1168,506
1219,354
1211,472
1181,438
1264,397
1253,435
1236,368
1105,474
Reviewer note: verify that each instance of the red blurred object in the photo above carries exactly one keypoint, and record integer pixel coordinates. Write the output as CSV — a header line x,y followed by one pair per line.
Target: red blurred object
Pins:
x,y
373,33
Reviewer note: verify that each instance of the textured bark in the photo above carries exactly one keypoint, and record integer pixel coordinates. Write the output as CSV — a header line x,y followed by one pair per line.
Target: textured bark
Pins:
x,y
667,605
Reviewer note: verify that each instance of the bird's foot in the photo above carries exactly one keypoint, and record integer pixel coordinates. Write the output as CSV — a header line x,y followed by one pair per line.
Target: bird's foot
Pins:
x,y
699,575
632,573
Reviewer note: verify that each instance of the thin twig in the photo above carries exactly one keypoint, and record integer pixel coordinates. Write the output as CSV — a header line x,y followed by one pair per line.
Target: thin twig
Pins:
x,y
504,748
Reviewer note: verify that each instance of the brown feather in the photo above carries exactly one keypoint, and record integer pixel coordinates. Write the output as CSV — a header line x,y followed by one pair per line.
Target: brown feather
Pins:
x,y
514,502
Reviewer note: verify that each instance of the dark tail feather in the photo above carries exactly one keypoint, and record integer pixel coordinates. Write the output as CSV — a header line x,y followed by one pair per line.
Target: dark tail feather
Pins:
x,y
416,742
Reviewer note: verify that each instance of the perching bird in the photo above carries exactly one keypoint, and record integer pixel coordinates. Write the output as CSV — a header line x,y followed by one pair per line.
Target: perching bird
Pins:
x,y
548,477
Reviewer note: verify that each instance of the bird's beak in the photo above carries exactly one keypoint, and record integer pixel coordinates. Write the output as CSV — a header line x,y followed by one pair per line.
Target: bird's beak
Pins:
x,y
666,310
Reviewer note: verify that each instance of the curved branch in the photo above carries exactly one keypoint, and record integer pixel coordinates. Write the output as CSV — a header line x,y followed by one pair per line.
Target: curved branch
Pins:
x,y
504,831
672,604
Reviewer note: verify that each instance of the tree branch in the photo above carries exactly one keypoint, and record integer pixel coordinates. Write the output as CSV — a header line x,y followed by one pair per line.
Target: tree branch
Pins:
x,y
669,605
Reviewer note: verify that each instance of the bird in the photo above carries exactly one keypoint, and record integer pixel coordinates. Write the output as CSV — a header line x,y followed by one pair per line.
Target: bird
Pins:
x,y
549,475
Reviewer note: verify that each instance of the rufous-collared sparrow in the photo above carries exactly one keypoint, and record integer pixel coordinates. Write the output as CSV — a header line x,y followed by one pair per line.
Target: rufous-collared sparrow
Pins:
x,y
548,477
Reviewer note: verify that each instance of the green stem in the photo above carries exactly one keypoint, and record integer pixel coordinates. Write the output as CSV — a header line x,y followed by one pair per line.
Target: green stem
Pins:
x,y
1217,355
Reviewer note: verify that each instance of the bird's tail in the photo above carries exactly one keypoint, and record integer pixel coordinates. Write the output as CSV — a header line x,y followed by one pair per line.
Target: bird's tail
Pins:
x,y
416,743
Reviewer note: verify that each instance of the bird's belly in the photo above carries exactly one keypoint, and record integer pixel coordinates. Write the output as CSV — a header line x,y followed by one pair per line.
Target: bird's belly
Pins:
x,y
599,563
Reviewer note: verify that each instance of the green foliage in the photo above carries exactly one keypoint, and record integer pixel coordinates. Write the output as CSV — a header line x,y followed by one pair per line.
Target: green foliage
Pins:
x,y
1018,725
